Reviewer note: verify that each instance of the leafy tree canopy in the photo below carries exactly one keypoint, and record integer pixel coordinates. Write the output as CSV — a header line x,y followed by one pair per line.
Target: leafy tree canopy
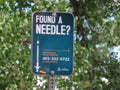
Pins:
x,y
96,32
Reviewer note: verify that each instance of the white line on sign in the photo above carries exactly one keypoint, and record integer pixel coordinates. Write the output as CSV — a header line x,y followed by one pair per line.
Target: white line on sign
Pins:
x,y
56,50
37,63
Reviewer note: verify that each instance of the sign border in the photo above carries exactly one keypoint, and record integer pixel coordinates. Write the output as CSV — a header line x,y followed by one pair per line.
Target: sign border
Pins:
x,y
32,41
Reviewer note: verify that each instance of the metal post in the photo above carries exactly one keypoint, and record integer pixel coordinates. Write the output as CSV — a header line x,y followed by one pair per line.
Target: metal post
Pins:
x,y
51,81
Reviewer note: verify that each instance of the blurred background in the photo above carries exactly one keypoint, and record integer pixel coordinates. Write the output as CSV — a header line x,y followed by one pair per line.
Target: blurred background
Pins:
x,y
96,44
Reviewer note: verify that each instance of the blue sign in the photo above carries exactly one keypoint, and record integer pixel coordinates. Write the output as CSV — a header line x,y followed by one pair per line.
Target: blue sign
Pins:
x,y
52,43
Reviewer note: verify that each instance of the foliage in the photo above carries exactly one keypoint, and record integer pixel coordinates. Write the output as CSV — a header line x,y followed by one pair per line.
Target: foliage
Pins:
x,y
14,51
96,25
96,31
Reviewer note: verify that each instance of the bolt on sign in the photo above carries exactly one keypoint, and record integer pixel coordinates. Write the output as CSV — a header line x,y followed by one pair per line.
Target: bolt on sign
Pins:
x,y
52,43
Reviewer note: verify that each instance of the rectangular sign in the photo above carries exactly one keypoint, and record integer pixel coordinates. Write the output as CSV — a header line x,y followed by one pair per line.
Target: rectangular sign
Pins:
x,y
52,43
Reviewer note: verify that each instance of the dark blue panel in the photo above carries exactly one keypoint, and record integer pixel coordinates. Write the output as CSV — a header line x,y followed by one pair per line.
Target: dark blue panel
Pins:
x,y
52,43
